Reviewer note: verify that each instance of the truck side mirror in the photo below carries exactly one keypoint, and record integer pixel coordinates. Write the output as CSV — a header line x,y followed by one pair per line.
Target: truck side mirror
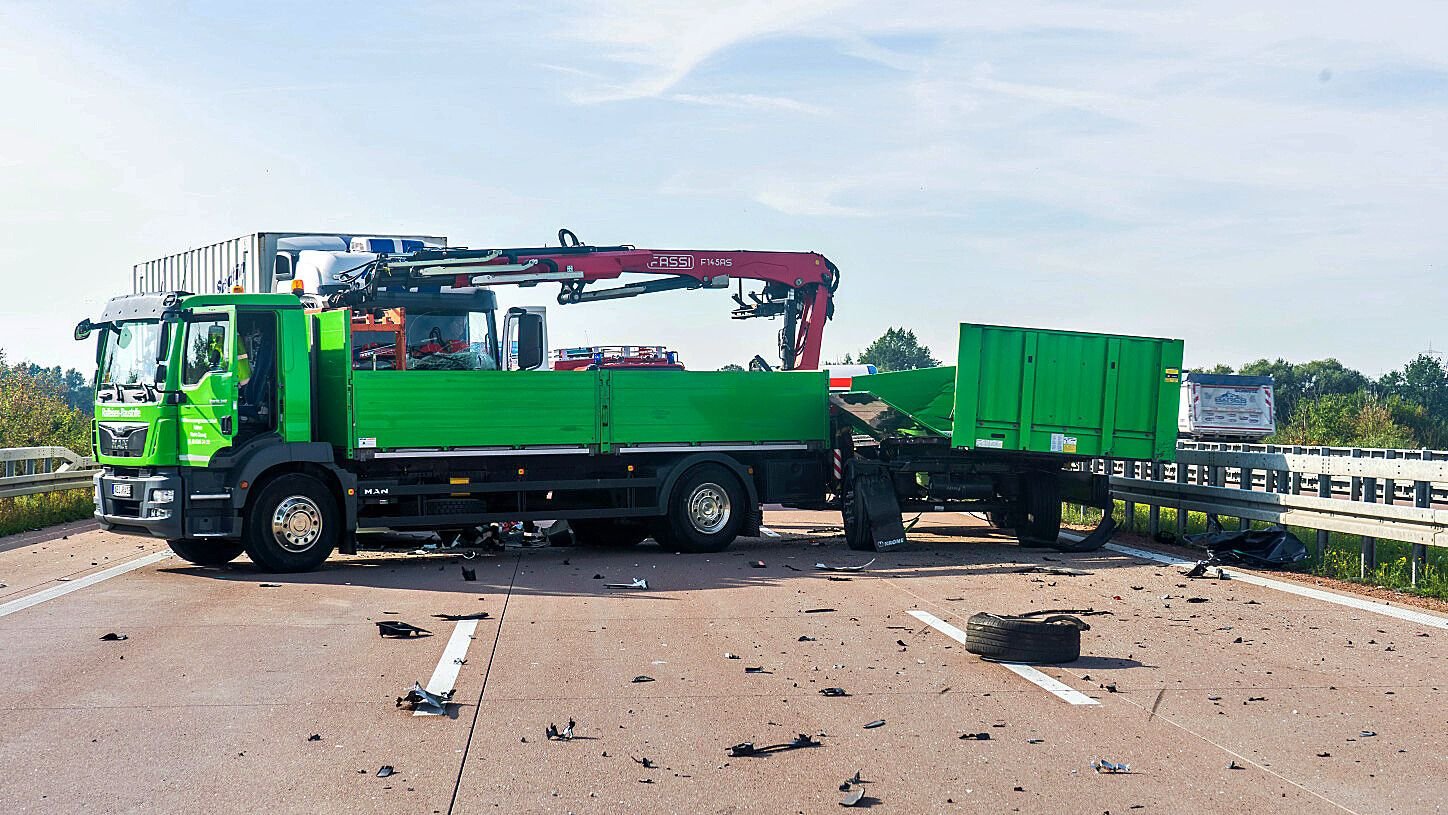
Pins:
x,y
83,329
531,352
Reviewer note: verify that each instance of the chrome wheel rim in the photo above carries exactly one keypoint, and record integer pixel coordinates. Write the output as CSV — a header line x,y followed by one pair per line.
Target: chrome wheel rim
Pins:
x,y
297,523
709,508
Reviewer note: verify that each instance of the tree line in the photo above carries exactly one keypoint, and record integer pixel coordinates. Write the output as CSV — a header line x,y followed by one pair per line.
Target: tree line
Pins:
x,y
44,406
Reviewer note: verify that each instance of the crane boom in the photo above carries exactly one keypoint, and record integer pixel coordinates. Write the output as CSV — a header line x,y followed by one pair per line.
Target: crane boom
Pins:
x,y
797,286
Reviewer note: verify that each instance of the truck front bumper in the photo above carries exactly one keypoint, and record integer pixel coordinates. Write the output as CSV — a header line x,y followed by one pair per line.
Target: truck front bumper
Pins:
x,y
134,503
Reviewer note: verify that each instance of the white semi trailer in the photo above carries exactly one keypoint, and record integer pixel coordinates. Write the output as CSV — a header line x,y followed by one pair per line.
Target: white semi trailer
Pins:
x,y
1226,407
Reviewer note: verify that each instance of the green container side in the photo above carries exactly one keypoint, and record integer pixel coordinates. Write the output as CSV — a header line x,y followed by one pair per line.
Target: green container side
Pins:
x,y
651,407
333,338
927,394
475,408
1066,392
296,375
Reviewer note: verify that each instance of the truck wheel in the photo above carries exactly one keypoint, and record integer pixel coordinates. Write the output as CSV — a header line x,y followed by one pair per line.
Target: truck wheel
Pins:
x,y
292,525
608,533
207,553
852,511
1022,639
706,510
1039,522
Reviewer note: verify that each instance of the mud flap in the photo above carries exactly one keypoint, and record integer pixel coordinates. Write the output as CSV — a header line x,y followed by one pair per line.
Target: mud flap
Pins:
x,y
875,495
1098,538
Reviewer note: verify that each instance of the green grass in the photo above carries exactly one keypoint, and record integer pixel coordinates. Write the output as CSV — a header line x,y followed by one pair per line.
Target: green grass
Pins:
x,y
1340,559
35,511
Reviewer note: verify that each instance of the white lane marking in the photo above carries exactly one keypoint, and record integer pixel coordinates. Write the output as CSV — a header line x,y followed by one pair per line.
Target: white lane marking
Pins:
x,y
1359,603
767,532
79,583
445,677
1058,689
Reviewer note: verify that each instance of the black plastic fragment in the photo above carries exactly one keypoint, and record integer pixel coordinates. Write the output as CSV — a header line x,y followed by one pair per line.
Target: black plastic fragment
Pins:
x,y
643,678
806,638
454,618
113,637
385,770
398,628
875,724
420,698
470,575
315,737
833,692
817,610
975,736
647,762
554,734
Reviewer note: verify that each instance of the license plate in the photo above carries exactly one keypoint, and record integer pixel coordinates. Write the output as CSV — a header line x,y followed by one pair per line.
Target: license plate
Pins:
x,y
121,490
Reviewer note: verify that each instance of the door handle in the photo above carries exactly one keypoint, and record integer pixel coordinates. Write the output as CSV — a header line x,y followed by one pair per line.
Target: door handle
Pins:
x,y
226,425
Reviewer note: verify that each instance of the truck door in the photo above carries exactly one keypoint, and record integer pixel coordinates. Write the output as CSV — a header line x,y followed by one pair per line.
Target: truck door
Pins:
x,y
208,384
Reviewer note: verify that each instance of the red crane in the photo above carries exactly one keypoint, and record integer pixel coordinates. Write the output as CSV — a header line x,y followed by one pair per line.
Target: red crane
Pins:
x,y
797,286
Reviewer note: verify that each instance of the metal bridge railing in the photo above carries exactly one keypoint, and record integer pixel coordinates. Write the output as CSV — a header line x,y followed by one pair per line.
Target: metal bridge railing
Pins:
x,y
35,470
1399,495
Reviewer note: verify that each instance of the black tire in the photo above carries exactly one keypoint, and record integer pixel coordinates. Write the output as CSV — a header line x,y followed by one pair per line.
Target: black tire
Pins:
x,y
608,533
707,509
857,526
292,524
1038,523
1019,639
207,553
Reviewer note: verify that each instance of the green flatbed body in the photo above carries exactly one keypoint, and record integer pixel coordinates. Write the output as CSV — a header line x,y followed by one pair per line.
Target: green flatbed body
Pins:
x,y
1039,391
600,411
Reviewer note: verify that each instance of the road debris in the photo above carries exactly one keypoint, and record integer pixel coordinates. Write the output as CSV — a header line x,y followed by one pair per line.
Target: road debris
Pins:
x,y
830,568
259,585
875,724
1064,571
315,737
1235,766
1274,547
1035,741
747,748
638,583
1324,754
1198,600
420,698
792,567
598,577
818,610
728,655
1109,767
647,762
833,692
806,638
455,618
398,628
385,770
113,637
1367,734
469,575
757,564
853,796
554,734
838,578
642,678
975,736
759,670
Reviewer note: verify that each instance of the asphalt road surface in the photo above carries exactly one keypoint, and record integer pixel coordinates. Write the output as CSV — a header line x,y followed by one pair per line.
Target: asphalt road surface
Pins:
x,y
1254,701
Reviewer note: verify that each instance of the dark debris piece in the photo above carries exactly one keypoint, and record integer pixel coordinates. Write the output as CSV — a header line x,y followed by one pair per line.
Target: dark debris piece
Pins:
x,y
554,734
113,637
398,628
598,577
757,670
875,724
647,762
643,678
454,618
853,797
818,610
975,736
470,575
806,638
269,585
385,770
420,698
315,737
833,692
747,748
757,564
1198,600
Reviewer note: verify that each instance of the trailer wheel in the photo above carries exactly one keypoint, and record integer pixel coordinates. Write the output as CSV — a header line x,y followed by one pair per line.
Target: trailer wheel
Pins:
x,y
207,553
852,512
1022,639
292,525
608,533
1039,522
706,510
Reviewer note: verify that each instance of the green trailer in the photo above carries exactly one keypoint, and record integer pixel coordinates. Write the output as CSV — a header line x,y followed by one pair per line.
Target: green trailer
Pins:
x,y
1003,431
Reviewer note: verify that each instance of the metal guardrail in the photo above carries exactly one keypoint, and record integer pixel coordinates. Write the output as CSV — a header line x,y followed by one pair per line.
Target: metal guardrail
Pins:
x,y
36,470
1399,495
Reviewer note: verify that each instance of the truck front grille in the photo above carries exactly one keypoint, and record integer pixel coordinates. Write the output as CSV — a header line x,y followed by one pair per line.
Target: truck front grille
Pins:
x,y
122,440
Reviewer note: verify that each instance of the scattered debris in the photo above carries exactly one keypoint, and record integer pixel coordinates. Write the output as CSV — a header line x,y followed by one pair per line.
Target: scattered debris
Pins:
x,y
454,618
728,655
833,692
1198,600
469,575
398,628
747,748
875,724
806,638
758,670
1065,571
554,734
647,762
818,610
1035,741
757,564
269,585
113,637
1109,767
902,644
315,737
829,568
643,678
420,698
1367,734
853,797
975,736
838,578
1110,687
385,770
793,568
638,583
598,577
1235,766
1272,547
1256,698
1324,754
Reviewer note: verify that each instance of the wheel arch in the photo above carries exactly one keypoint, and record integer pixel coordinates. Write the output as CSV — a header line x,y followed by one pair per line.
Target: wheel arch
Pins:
x,y
741,471
313,459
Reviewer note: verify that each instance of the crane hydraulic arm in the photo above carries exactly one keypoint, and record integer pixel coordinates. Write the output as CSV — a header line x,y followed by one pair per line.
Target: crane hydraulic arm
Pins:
x,y
797,286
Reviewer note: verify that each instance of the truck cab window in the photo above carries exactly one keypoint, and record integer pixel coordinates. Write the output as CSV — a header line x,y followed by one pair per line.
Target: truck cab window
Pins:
x,y
205,349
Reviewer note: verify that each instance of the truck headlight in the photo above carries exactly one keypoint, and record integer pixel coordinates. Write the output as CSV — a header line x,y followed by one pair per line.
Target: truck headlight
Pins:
x,y
163,496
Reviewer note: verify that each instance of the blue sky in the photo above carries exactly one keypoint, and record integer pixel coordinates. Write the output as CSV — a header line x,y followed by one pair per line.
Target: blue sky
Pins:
x,y
1259,181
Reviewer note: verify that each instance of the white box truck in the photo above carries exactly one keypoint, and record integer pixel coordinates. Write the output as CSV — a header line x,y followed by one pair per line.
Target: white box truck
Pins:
x,y
1226,407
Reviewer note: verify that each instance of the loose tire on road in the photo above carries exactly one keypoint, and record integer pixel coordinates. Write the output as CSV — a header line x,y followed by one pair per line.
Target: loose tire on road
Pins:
x,y
608,533
706,510
292,524
207,553
1049,640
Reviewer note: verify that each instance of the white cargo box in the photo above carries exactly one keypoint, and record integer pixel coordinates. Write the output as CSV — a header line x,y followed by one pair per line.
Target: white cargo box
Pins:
x,y
1226,406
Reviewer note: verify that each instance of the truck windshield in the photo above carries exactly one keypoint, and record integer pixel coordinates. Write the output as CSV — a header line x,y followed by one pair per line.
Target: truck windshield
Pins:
x,y
451,341
128,356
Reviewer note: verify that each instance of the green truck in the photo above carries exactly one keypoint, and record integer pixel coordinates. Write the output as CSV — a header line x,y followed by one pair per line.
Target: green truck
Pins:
x,y
282,424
